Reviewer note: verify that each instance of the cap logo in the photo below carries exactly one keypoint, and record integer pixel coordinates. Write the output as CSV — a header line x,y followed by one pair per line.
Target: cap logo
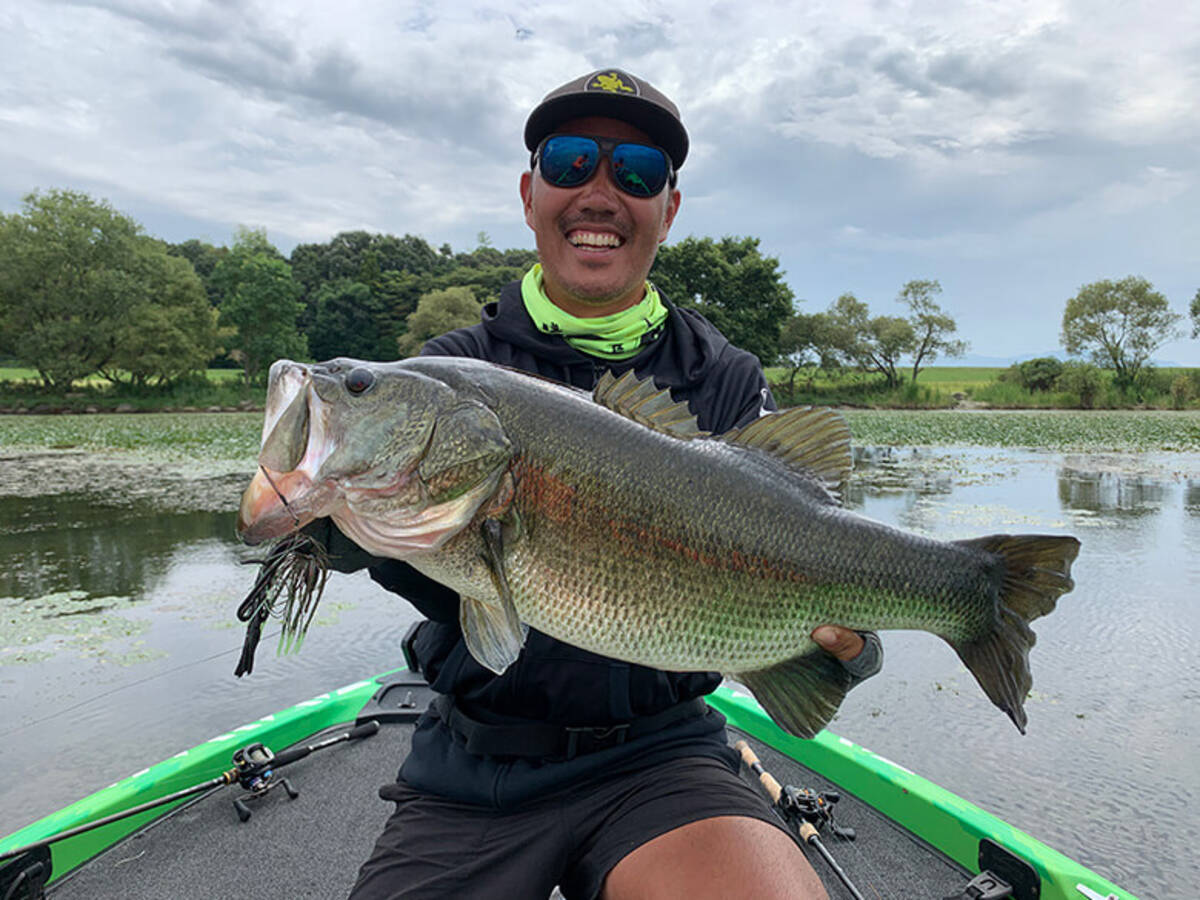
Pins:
x,y
614,82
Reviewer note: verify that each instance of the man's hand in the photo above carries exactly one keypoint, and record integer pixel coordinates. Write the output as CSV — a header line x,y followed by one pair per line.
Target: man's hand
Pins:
x,y
860,653
841,642
343,554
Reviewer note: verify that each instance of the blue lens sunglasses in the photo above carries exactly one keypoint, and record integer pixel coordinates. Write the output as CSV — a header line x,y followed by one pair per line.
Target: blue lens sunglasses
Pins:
x,y
569,160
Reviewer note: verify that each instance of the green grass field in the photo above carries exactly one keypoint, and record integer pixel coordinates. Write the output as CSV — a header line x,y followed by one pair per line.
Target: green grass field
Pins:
x,y
18,374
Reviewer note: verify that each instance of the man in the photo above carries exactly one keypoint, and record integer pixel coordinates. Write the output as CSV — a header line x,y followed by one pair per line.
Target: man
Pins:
x,y
610,779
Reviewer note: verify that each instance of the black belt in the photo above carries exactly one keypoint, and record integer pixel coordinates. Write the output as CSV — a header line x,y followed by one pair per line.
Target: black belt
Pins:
x,y
543,741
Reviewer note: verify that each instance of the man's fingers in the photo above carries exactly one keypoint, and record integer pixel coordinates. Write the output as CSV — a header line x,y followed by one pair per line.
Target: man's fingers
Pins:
x,y
841,642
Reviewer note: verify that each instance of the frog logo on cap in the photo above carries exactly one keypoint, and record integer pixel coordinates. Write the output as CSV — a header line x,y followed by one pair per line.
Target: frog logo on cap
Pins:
x,y
613,81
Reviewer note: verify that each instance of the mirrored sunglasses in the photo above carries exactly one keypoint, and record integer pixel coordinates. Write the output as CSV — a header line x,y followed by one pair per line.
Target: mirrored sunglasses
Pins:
x,y
568,160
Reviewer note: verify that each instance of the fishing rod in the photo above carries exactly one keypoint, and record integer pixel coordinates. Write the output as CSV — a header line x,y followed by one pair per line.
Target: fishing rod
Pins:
x,y
804,811
254,768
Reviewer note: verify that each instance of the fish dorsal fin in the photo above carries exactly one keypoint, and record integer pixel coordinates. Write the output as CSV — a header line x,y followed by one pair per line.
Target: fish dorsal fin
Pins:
x,y
641,400
813,440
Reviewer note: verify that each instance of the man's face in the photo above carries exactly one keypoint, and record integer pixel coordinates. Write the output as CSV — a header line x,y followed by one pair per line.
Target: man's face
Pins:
x,y
596,243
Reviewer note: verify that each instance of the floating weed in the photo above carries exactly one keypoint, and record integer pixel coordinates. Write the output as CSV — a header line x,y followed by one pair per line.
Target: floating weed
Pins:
x,y
170,436
37,628
1115,430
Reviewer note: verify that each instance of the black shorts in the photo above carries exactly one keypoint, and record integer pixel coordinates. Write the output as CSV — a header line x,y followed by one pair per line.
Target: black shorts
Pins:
x,y
432,847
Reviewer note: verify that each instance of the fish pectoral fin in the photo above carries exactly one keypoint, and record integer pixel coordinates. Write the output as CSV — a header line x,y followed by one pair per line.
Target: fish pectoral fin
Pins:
x,y
802,693
494,634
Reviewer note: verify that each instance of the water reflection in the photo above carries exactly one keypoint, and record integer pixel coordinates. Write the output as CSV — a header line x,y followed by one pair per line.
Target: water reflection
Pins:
x,y
1117,493
72,542
1191,496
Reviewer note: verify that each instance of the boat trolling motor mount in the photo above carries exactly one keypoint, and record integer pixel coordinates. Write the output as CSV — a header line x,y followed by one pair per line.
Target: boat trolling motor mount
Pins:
x,y
254,765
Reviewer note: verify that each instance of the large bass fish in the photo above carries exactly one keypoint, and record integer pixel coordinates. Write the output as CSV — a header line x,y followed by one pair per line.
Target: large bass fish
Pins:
x,y
611,522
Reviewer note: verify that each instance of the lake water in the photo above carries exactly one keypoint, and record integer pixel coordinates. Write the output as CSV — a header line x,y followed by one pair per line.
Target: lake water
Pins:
x,y
119,579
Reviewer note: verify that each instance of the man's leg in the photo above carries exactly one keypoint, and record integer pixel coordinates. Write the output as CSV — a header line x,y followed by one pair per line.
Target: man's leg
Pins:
x,y
723,857
433,848
685,828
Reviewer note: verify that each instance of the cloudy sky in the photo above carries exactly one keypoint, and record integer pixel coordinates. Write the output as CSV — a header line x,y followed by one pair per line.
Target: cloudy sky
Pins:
x,y
1012,150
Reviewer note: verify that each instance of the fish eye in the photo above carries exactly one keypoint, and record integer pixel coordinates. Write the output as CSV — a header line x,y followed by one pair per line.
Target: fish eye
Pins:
x,y
359,379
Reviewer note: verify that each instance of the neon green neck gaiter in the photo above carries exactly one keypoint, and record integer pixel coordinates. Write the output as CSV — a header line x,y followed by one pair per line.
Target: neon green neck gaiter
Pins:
x,y
616,337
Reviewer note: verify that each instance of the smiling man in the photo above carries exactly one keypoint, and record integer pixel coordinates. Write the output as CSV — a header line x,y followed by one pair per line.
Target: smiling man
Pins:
x,y
609,779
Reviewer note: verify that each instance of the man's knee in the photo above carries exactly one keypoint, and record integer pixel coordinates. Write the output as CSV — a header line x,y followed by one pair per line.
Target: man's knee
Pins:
x,y
727,856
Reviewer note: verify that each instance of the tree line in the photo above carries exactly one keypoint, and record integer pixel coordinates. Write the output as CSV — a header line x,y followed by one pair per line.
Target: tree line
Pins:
x,y
84,291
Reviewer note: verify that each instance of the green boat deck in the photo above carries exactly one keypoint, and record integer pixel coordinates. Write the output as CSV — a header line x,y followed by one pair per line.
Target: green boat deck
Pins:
x,y
914,839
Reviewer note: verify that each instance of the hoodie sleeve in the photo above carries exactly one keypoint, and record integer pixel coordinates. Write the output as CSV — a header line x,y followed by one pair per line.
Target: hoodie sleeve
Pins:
x,y
743,394
433,600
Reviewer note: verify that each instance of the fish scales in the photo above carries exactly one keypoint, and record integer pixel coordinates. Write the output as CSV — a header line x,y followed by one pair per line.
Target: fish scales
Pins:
x,y
548,509
695,581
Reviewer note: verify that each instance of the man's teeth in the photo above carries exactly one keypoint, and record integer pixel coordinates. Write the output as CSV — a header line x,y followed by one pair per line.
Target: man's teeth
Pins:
x,y
593,239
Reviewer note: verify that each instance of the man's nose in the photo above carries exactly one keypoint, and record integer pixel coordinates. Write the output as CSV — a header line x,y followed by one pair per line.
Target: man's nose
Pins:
x,y
601,191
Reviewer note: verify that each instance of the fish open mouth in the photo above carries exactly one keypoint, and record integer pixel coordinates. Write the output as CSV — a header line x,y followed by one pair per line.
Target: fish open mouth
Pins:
x,y
284,494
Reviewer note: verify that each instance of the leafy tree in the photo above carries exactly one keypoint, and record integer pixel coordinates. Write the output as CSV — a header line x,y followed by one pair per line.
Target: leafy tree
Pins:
x,y
436,313
1039,374
485,281
733,285
807,341
1194,311
204,259
1121,323
874,344
69,278
171,330
259,300
350,321
931,325
1081,379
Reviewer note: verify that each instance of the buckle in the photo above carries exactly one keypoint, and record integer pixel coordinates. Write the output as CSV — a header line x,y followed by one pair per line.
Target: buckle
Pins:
x,y
599,737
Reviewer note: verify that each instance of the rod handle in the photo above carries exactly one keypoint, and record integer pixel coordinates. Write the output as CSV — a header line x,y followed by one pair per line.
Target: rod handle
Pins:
x,y
366,729
750,758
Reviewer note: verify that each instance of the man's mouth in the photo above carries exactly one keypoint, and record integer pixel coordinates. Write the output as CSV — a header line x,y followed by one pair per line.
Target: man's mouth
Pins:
x,y
594,240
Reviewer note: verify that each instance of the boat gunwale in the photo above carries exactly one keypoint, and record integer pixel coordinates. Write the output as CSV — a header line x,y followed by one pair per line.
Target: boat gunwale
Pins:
x,y
944,820
939,817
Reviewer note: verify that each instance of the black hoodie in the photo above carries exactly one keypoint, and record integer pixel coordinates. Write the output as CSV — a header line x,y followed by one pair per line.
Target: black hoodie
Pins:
x,y
551,681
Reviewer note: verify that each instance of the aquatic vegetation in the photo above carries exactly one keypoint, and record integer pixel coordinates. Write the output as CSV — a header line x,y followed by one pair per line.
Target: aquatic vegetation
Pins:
x,y
1115,430
198,436
37,628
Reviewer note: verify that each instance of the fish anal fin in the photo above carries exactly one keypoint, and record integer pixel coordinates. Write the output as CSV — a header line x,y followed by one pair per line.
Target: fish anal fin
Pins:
x,y
802,693
813,440
642,401
1036,571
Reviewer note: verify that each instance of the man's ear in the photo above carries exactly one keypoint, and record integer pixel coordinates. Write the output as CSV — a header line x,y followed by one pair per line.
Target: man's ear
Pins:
x,y
673,200
527,196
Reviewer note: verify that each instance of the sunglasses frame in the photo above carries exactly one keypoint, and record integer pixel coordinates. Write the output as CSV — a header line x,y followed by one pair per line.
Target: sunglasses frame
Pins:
x,y
607,146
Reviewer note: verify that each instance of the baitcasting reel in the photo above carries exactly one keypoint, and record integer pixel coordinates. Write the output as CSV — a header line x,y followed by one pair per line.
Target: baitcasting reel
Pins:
x,y
254,769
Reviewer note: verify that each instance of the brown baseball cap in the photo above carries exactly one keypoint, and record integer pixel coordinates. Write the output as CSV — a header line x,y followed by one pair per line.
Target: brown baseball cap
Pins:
x,y
615,94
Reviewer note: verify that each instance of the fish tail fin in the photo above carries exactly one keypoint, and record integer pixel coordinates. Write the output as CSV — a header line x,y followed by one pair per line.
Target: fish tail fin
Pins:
x,y
802,693
1035,572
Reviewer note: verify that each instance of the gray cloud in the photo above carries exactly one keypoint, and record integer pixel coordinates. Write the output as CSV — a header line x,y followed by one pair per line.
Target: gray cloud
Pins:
x,y
1012,152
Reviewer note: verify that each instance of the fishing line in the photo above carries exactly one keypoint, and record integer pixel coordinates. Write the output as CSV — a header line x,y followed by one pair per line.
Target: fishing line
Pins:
x,y
279,494
123,687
